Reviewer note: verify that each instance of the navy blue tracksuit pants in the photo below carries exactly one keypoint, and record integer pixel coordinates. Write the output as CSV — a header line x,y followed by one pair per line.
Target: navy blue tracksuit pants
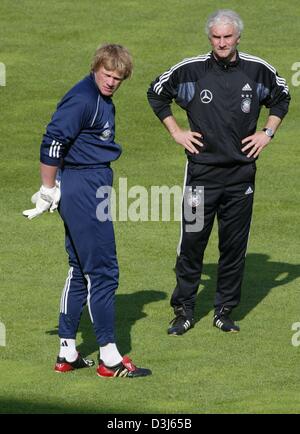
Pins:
x,y
90,244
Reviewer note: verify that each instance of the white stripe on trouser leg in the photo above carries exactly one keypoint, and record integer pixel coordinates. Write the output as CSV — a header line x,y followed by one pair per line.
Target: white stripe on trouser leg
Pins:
x,y
89,295
248,239
181,231
64,296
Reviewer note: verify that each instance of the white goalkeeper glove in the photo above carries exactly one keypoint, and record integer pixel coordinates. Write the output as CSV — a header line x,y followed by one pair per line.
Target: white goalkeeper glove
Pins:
x,y
46,199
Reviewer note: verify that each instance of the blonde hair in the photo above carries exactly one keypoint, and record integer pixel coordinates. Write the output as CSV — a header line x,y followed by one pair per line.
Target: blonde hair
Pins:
x,y
113,57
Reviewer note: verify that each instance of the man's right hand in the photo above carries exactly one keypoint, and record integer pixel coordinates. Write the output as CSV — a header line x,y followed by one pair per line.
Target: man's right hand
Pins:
x,y
46,199
188,139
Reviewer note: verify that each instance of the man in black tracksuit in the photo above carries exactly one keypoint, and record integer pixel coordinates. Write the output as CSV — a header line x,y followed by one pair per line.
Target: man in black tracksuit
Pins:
x,y
222,93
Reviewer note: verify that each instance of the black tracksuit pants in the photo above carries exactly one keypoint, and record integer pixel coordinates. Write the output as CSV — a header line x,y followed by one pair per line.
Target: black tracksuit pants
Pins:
x,y
228,194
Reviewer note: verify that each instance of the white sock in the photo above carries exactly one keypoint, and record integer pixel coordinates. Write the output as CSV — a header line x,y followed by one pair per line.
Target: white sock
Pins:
x,y
110,355
68,349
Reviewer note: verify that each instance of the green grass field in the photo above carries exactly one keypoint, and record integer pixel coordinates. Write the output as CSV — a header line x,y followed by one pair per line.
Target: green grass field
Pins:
x,y
46,48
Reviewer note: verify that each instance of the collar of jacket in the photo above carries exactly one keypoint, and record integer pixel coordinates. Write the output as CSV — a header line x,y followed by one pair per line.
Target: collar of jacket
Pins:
x,y
225,65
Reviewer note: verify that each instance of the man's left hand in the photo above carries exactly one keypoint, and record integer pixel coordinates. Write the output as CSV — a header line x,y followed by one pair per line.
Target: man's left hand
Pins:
x,y
255,143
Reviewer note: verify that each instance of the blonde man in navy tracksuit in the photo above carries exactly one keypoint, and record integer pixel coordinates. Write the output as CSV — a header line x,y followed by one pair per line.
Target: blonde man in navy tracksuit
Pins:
x,y
81,137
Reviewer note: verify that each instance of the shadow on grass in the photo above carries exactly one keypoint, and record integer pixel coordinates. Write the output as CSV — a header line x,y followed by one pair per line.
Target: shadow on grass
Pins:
x,y
129,309
261,275
15,406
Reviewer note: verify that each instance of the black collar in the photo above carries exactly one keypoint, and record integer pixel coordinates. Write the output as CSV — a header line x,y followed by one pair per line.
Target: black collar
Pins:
x,y
224,64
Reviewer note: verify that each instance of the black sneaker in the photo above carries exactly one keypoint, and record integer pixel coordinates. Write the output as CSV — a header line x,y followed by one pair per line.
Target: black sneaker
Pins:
x,y
62,365
181,323
124,369
225,323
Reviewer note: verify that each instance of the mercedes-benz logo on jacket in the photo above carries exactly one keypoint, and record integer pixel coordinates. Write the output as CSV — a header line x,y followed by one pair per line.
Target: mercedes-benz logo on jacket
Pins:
x,y
206,96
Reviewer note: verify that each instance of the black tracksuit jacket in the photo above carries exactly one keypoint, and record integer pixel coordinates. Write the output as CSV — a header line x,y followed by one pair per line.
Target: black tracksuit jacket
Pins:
x,y
222,102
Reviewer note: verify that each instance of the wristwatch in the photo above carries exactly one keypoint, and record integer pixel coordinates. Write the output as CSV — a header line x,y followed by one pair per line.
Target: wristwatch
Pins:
x,y
269,132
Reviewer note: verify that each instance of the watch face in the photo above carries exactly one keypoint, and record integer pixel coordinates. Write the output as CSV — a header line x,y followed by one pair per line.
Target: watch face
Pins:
x,y
269,132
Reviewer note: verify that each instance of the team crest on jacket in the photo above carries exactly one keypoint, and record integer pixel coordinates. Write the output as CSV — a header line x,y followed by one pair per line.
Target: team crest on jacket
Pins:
x,y
194,199
246,105
106,133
